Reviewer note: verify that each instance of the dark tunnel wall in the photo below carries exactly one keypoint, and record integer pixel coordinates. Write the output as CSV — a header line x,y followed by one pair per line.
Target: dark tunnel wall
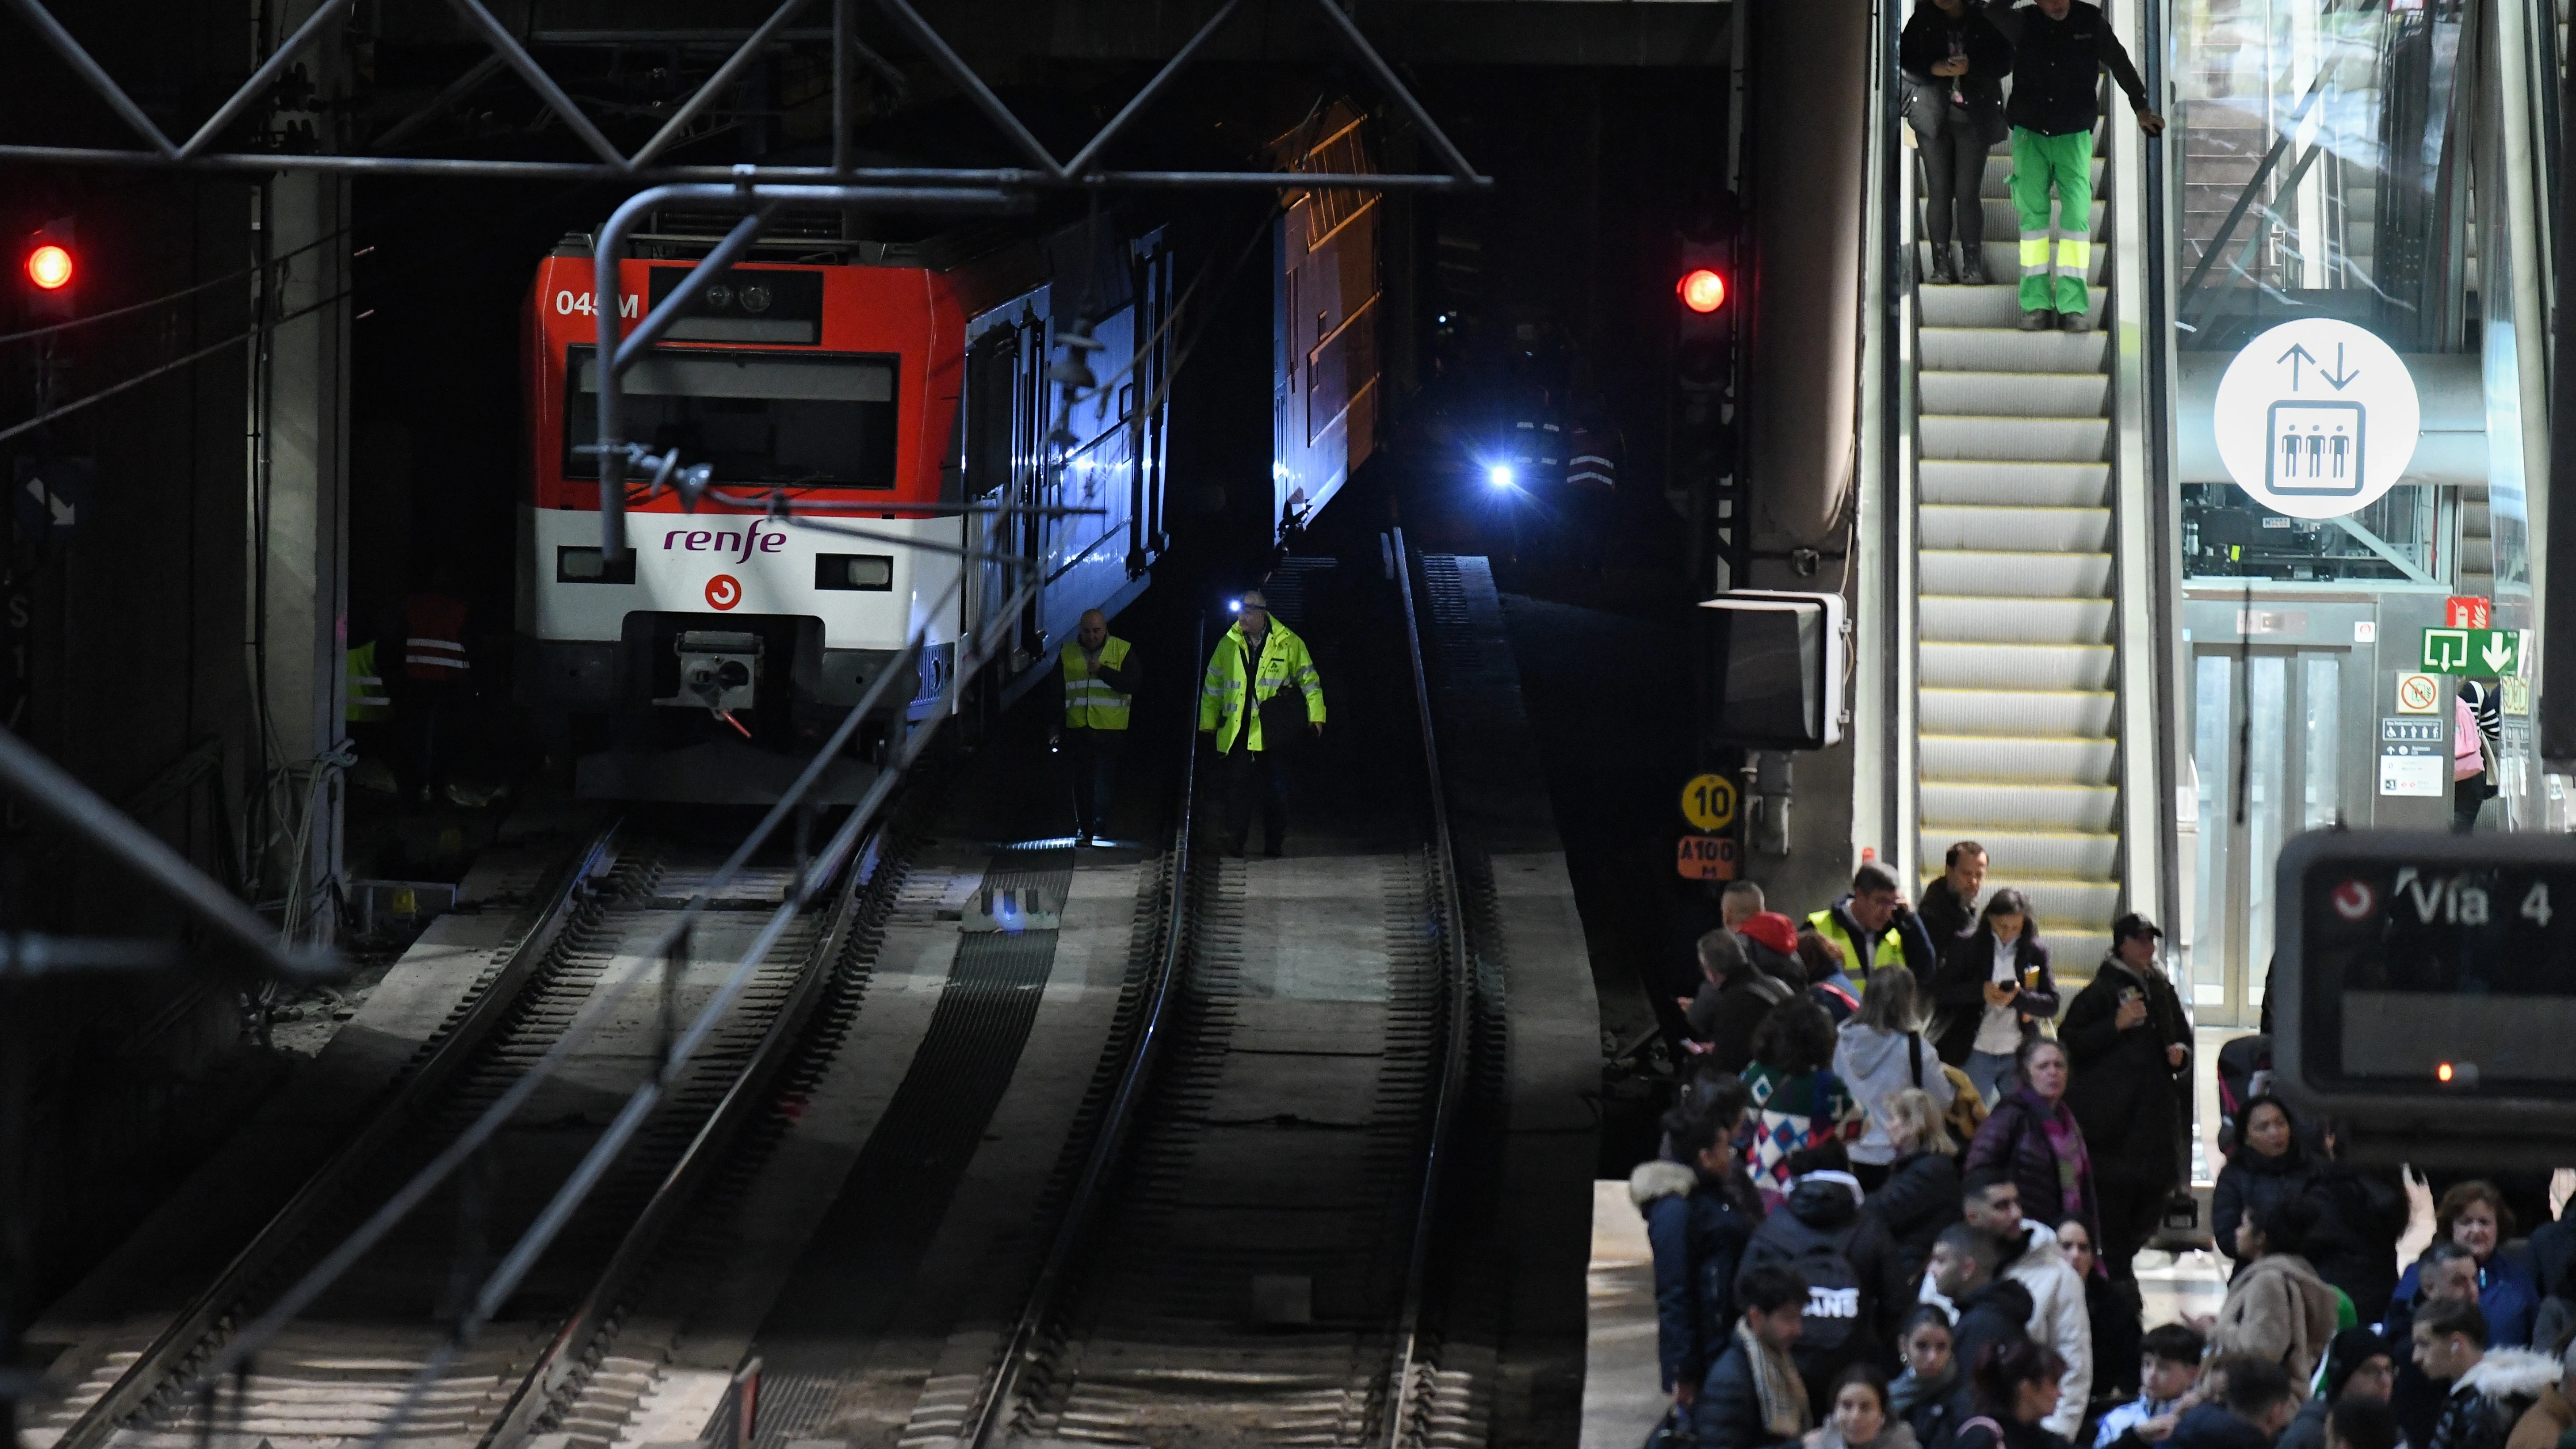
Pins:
x,y
126,653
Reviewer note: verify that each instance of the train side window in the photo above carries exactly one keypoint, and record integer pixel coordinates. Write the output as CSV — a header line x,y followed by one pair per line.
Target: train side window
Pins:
x,y
992,370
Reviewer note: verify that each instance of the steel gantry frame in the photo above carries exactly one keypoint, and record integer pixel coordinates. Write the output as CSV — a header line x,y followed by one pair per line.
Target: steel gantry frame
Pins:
x,y
759,192
1042,170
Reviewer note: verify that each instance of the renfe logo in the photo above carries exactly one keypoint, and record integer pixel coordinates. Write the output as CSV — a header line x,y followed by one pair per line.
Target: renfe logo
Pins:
x,y
724,591
740,545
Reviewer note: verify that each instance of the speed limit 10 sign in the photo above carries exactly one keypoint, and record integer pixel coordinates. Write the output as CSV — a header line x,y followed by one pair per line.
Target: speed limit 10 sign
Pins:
x,y
1708,802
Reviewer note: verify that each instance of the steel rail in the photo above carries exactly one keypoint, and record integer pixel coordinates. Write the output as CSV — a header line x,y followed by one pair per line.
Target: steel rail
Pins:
x,y
1111,1143
166,1357
706,1153
1407,1388
576,1189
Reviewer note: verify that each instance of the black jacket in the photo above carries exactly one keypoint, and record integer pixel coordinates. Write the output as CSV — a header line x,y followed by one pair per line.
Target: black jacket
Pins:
x,y
1823,1216
2361,1215
1697,1226
1947,919
1918,1200
1959,989
2251,1182
2131,1102
1997,1313
1728,1412
1931,37
2210,1426
1726,1017
2487,1401
2057,68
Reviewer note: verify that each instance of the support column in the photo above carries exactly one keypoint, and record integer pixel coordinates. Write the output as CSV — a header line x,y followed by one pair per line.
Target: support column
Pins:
x,y
299,538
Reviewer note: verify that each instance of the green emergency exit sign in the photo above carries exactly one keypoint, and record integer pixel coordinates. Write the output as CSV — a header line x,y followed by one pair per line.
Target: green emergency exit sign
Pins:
x,y
2472,651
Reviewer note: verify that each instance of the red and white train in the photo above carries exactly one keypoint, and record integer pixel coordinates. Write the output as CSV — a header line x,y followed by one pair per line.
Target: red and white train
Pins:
x,y
727,643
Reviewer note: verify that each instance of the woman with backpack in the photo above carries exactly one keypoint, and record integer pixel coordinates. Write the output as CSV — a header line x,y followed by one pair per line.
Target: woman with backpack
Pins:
x,y
1994,989
2035,1140
1798,1102
1879,1053
2016,1388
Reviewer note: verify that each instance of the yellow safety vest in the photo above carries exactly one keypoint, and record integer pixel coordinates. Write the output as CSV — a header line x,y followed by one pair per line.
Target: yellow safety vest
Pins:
x,y
368,701
1284,662
1089,702
1891,946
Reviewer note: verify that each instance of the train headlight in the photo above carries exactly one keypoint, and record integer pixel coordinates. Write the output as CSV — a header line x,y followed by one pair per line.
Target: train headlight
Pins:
x,y
864,572
755,297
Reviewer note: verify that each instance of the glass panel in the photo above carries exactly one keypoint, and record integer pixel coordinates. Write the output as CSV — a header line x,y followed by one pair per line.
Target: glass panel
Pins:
x,y
2266,808
2321,700
2212,742
811,421
2320,152
2226,534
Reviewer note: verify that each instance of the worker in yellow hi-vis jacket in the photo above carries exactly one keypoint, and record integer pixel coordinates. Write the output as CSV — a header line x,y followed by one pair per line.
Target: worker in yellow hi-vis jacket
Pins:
x,y
1100,675
1259,688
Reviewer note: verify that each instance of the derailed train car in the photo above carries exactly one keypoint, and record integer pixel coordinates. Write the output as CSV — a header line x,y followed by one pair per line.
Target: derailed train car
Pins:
x,y
902,390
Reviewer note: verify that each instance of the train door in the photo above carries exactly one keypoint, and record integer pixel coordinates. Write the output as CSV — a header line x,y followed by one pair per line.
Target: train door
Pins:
x,y
996,466
2270,749
1324,326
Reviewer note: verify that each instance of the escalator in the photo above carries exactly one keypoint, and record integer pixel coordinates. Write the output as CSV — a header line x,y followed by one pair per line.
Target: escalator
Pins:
x,y
2016,660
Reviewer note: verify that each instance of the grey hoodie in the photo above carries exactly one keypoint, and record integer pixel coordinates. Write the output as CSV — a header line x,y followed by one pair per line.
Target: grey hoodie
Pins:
x,y
1875,1066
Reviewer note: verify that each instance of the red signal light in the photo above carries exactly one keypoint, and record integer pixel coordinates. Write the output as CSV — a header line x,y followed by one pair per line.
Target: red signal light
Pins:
x,y
50,267
1701,290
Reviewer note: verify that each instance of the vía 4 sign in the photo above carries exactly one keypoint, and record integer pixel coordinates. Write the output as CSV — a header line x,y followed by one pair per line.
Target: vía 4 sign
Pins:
x,y
2472,651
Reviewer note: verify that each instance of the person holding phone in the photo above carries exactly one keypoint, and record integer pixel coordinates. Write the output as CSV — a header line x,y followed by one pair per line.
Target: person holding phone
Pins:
x,y
2130,1044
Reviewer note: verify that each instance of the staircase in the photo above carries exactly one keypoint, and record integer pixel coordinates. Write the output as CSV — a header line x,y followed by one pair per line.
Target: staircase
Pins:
x,y
2015,686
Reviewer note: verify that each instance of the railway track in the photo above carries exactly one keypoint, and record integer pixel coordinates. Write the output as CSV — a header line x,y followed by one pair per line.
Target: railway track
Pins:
x,y
1252,1253
339,1366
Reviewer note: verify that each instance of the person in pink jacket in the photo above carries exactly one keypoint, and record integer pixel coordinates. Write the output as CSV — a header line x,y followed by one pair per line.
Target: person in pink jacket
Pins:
x,y
2469,787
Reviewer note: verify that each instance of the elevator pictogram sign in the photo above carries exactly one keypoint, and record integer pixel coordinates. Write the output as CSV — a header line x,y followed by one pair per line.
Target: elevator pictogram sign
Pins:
x,y
2316,418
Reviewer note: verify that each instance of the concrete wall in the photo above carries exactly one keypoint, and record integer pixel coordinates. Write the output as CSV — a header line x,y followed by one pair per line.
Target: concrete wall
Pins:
x,y
125,638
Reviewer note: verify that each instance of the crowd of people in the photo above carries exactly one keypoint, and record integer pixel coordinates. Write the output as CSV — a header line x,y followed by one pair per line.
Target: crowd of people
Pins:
x,y
1905,1182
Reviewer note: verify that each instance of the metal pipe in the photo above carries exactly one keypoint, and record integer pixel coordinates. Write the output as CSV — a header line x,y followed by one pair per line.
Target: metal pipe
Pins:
x,y
610,251
965,79
841,86
666,313
447,168
260,79
1366,54
507,46
457,90
53,793
743,56
1172,68
51,31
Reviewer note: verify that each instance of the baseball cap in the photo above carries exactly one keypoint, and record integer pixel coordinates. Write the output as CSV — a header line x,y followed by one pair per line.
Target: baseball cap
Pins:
x,y
2134,924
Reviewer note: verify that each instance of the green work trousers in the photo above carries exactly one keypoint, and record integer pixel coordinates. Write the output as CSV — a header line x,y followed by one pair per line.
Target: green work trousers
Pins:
x,y
2066,163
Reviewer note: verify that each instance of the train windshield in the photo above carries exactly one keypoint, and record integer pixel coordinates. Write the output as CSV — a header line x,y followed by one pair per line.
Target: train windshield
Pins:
x,y
817,422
